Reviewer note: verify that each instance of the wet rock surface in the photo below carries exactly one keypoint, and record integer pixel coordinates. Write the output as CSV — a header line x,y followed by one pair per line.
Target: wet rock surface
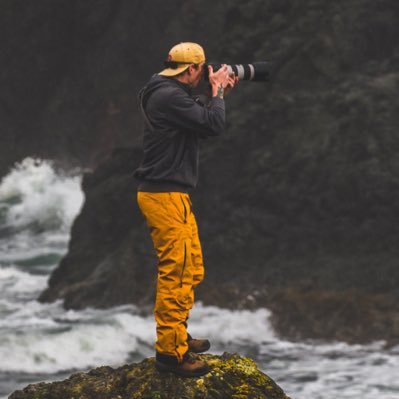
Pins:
x,y
231,376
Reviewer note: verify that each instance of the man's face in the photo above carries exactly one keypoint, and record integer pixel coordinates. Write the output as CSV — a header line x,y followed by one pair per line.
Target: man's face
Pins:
x,y
196,74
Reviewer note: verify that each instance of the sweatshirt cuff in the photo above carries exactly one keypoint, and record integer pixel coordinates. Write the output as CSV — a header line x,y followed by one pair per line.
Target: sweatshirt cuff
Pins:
x,y
217,102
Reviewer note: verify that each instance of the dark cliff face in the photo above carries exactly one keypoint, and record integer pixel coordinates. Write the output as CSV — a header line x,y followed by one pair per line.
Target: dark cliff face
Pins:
x,y
296,200
70,73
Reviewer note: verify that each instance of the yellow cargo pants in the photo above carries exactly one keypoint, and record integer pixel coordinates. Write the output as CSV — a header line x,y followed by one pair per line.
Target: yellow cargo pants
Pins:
x,y
174,232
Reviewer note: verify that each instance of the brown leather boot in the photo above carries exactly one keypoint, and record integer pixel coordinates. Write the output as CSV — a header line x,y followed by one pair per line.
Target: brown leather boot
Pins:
x,y
198,345
190,367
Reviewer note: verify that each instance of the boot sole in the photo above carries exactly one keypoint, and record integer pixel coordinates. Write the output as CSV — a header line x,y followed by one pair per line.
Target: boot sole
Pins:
x,y
165,368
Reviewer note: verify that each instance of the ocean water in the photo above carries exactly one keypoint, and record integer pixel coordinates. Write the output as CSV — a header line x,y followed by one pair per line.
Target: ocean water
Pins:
x,y
44,342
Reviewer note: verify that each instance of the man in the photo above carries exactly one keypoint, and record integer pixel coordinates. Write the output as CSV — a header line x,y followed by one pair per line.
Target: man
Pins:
x,y
174,121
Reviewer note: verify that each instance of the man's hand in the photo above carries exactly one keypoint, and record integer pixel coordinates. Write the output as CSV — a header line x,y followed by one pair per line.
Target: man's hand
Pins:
x,y
220,81
232,81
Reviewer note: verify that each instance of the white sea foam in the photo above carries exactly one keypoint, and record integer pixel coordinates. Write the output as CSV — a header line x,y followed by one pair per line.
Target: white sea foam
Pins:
x,y
77,347
15,283
51,339
240,327
330,370
36,194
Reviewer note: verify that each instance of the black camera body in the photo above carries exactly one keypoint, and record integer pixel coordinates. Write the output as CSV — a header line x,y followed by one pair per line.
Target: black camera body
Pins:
x,y
255,72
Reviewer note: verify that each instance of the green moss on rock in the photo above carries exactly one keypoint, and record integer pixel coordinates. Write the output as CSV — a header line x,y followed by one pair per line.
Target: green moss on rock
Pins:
x,y
231,376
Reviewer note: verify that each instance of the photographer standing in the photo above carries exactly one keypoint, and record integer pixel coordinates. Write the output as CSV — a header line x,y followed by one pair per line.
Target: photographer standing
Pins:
x,y
173,124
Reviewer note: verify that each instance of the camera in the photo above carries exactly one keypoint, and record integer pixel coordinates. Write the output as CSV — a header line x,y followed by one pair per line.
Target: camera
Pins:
x,y
255,72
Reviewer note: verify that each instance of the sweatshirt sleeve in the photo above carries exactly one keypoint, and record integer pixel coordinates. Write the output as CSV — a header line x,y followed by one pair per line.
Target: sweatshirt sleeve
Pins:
x,y
184,113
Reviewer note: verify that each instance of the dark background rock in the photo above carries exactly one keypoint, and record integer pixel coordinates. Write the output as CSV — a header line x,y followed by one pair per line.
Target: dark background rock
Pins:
x,y
70,72
296,203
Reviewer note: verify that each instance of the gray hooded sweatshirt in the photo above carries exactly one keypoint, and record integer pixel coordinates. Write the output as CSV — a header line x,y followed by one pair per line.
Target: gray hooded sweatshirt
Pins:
x,y
173,123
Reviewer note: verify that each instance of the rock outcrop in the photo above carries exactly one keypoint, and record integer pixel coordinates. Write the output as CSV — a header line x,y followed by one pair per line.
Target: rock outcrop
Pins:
x,y
231,376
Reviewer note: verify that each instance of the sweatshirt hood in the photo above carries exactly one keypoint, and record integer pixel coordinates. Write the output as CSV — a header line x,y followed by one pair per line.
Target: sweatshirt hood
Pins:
x,y
156,82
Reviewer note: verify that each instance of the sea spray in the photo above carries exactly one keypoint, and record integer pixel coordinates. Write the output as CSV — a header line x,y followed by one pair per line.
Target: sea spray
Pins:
x,y
37,208
34,194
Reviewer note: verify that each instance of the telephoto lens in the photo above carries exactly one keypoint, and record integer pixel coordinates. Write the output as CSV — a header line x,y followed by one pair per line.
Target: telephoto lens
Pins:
x,y
255,72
